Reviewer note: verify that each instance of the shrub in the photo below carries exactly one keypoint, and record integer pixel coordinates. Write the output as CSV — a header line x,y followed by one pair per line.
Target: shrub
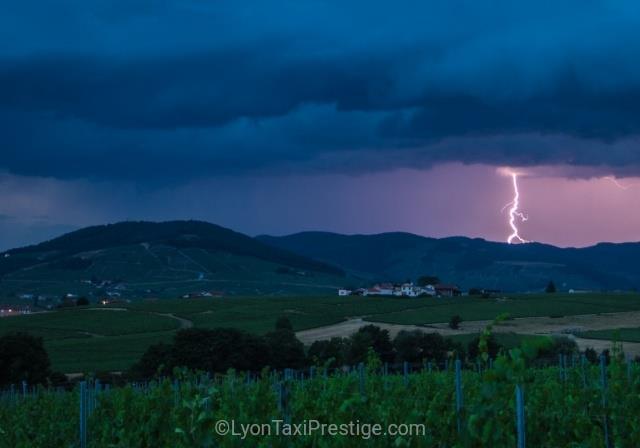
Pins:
x,y
454,322
493,347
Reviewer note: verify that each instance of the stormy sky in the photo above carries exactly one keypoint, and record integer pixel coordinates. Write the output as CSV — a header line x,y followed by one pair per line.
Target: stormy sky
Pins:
x,y
358,117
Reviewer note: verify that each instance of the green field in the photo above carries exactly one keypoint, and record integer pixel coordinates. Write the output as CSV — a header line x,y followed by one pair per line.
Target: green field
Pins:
x,y
94,339
617,334
96,322
522,305
111,339
115,353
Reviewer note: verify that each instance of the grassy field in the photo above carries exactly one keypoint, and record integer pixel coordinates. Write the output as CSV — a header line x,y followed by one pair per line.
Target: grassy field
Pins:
x,y
111,339
114,353
522,305
617,334
259,314
87,322
94,339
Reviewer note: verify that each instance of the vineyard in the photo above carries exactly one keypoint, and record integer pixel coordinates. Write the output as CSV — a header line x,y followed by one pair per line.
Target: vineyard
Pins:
x,y
497,403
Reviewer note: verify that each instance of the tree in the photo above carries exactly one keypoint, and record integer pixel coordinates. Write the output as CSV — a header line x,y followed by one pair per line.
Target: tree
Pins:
x,y
82,301
219,350
358,348
156,360
283,323
332,352
367,337
416,346
381,342
427,280
408,345
438,348
287,352
454,322
23,358
591,354
551,287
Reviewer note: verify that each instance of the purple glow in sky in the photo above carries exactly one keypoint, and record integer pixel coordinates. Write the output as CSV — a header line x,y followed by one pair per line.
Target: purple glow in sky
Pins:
x,y
450,199
264,119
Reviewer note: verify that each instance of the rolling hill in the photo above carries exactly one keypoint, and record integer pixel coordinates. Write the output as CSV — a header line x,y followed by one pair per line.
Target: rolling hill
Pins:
x,y
471,262
168,259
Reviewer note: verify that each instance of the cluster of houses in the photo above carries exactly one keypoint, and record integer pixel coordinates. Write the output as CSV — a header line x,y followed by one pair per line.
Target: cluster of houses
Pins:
x,y
14,310
403,290
202,294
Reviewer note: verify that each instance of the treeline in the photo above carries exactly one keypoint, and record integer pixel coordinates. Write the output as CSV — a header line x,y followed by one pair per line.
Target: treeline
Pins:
x,y
218,350
24,358
221,349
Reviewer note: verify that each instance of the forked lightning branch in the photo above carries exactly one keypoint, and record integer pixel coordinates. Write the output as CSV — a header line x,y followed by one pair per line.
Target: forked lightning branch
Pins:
x,y
515,215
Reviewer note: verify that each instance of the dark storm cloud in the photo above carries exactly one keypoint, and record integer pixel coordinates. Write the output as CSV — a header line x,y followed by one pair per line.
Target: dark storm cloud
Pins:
x,y
168,90
199,90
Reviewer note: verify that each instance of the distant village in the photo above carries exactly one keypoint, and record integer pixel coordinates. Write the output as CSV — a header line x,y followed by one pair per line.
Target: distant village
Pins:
x,y
404,290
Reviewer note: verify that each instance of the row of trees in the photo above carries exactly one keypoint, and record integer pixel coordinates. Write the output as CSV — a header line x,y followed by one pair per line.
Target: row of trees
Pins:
x,y
23,356
219,350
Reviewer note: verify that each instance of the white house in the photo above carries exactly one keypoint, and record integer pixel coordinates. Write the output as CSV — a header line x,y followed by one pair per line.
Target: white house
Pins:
x,y
388,289
409,290
429,290
344,292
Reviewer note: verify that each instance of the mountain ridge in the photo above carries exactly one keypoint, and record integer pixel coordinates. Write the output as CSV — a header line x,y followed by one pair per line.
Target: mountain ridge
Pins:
x,y
471,262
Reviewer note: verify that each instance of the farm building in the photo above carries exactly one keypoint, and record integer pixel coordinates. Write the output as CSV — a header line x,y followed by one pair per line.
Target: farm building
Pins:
x,y
445,290
388,289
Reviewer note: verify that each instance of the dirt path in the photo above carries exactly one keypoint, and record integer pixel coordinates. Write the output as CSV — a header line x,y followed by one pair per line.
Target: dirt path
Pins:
x,y
184,323
106,309
526,325
630,348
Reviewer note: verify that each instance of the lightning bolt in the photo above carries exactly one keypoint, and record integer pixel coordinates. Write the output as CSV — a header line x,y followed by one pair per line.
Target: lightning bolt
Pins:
x,y
514,213
614,181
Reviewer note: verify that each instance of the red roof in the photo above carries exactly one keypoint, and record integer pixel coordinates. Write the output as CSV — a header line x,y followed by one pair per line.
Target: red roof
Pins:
x,y
444,286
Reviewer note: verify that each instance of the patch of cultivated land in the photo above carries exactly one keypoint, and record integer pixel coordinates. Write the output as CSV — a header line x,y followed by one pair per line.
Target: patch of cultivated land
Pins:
x,y
522,305
569,326
631,334
91,340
